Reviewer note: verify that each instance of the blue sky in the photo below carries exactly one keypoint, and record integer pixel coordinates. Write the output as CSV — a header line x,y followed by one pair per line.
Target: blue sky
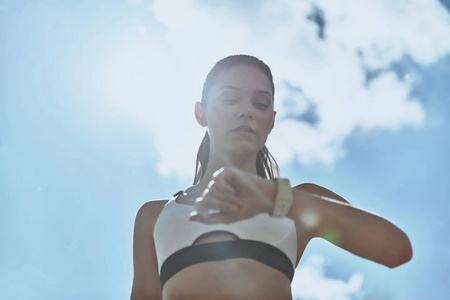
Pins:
x,y
96,118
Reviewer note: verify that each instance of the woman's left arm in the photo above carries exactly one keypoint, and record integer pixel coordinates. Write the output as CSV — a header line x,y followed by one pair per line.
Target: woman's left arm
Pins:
x,y
365,234
235,195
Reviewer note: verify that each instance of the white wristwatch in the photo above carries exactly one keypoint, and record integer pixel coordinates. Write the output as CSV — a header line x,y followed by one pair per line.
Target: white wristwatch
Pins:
x,y
284,198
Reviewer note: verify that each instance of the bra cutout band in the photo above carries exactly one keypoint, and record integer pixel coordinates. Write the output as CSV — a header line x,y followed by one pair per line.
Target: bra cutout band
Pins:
x,y
211,233
216,251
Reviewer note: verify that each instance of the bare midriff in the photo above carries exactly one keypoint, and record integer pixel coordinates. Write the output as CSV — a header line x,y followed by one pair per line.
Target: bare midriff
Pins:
x,y
234,278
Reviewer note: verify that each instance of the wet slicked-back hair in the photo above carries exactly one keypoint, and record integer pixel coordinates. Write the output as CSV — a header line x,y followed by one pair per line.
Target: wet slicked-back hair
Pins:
x,y
266,166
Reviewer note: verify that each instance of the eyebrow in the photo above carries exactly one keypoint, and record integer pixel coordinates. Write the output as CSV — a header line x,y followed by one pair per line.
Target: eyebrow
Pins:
x,y
240,90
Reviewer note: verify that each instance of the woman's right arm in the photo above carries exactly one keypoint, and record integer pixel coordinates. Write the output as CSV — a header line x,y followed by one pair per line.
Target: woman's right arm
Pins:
x,y
146,283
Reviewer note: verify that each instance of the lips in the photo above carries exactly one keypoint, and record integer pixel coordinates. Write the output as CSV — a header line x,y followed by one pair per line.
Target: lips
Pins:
x,y
244,128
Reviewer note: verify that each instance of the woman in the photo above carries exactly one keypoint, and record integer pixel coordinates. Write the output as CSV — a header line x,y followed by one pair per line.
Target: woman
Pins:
x,y
237,233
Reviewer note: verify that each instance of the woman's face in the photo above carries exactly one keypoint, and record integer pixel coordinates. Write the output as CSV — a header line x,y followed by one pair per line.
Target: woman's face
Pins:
x,y
239,111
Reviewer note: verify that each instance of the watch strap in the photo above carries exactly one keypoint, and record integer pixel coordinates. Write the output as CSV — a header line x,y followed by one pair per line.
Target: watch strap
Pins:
x,y
284,198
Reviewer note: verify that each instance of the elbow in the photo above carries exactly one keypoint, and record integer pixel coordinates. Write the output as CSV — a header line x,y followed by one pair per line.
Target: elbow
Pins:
x,y
403,255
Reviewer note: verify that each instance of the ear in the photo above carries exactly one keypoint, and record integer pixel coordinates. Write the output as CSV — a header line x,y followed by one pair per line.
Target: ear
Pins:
x,y
273,121
200,114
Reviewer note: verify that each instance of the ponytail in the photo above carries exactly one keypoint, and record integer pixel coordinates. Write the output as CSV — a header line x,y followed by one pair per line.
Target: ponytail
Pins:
x,y
266,166
202,159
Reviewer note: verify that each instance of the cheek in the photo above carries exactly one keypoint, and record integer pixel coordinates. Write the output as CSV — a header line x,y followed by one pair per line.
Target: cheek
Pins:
x,y
217,117
266,121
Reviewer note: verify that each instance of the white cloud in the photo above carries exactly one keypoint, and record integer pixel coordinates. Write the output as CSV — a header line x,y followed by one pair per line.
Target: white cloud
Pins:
x,y
147,84
330,72
134,2
310,283
385,30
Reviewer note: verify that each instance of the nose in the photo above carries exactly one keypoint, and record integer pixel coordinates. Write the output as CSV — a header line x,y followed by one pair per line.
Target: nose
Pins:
x,y
247,114
245,111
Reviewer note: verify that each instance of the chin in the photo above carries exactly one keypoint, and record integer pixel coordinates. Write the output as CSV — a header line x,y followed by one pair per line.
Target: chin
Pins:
x,y
244,148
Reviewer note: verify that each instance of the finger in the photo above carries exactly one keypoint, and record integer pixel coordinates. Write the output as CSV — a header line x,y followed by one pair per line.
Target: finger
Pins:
x,y
234,199
201,216
216,173
222,205
224,186
194,216
220,188
202,210
222,181
213,218
205,192
226,194
205,211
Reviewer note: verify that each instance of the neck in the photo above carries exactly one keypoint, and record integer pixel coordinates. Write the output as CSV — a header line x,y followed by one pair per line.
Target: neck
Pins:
x,y
245,163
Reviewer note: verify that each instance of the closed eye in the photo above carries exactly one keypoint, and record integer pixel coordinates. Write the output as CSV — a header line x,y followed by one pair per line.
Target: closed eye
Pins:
x,y
263,105
261,101
229,101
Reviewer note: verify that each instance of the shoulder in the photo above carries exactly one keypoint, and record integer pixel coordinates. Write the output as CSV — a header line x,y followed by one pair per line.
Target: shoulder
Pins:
x,y
319,190
146,282
149,212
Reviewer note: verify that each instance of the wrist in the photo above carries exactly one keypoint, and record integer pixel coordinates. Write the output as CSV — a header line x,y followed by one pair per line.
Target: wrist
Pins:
x,y
269,190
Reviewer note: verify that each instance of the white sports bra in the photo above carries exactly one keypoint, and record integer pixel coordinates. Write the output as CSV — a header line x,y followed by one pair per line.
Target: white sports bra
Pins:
x,y
173,231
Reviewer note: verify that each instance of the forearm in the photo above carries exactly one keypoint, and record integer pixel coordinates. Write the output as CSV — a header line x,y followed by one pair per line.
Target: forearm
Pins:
x,y
355,230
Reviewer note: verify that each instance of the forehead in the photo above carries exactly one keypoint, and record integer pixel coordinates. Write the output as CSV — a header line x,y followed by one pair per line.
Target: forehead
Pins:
x,y
243,77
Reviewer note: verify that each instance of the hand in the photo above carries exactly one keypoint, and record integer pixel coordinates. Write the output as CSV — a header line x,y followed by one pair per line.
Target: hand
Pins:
x,y
233,195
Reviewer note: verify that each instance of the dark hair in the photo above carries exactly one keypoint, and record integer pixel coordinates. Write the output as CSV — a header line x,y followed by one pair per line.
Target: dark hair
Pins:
x,y
266,166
